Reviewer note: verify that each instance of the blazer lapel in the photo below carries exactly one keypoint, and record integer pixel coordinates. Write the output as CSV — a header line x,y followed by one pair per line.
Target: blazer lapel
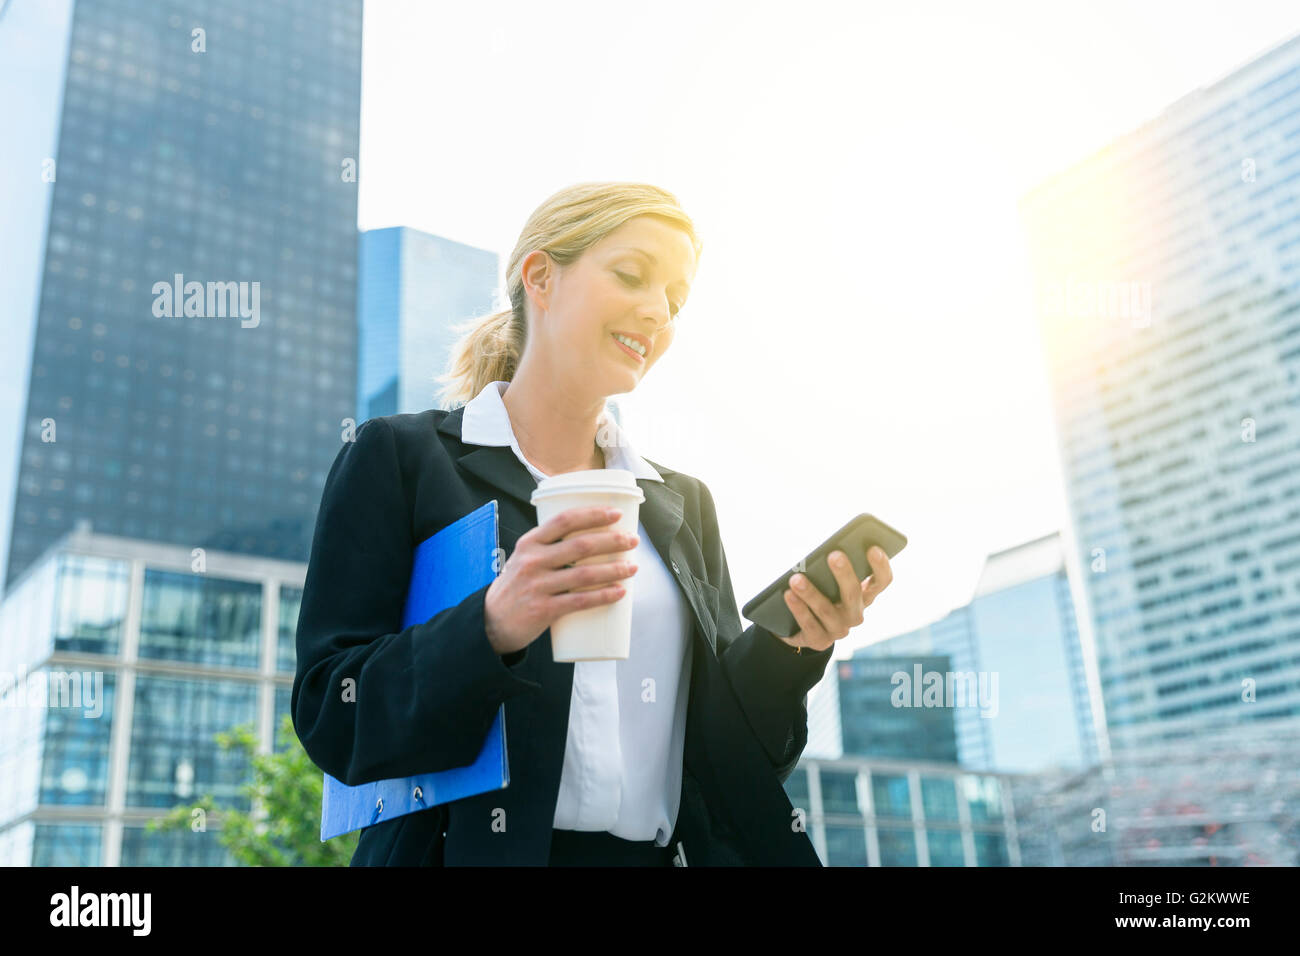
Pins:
x,y
660,513
498,466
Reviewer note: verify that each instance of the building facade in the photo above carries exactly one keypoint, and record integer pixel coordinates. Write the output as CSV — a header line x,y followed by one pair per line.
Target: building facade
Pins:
x,y
1167,272
413,288
184,352
878,812
825,735
1023,696
1158,805
120,661
884,711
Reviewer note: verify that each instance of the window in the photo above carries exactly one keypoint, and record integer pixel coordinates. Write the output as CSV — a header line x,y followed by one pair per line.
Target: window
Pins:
x,y
91,604
846,846
175,757
840,792
897,846
939,798
945,847
290,604
203,620
984,798
891,796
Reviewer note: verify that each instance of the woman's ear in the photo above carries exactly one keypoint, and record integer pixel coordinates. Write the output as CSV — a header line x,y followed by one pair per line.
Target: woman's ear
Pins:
x,y
539,271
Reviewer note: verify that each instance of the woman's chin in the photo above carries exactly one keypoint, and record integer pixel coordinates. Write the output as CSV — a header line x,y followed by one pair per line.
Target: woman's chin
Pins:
x,y
627,376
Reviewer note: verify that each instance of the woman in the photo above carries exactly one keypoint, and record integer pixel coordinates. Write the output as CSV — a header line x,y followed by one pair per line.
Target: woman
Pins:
x,y
676,755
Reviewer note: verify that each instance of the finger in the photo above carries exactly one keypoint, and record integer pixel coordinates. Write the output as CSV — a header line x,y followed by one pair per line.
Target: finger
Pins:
x,y
881,573
590,576
571,601
575,519
851,600
819,603
814,635
597,545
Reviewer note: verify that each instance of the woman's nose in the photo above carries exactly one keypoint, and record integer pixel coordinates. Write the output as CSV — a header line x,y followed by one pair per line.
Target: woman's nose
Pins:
x,y
660,316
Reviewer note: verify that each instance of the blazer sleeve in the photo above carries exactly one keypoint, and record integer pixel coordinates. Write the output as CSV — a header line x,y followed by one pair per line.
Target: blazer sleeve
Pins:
x,y
371,700
770,680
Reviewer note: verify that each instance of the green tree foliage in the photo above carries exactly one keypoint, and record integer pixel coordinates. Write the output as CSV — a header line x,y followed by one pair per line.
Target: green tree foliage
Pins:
x,y
285,793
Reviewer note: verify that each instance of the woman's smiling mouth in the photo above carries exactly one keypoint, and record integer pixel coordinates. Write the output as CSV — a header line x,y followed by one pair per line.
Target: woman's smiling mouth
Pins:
x,y
621,341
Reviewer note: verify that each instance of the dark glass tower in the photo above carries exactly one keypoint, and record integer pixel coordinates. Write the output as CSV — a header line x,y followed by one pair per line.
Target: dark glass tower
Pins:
x,y
882,717
204,157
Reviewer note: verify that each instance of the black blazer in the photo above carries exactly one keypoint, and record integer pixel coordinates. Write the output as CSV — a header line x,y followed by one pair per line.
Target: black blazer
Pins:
x,y
426,696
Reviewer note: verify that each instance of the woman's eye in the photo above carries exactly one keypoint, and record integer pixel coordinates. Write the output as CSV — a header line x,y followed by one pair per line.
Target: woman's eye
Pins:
x,y
633,280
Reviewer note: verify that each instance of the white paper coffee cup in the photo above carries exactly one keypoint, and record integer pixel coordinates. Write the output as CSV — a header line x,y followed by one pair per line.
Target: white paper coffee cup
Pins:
x,y
604,632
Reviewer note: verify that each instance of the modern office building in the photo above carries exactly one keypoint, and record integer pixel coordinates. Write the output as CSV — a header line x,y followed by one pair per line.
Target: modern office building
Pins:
x,y
825,739
1225,798
1167,272
413,288
180,255
878,812
1022,698
121,661
889,709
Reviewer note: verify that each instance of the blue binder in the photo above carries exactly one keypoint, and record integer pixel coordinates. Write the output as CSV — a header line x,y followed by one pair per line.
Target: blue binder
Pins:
x,y
448,567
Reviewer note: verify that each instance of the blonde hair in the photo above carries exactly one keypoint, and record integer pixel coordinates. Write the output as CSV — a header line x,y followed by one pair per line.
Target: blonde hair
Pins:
x,y
563,226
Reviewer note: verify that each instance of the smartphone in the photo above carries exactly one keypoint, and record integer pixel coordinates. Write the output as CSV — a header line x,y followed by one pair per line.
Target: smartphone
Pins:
x,y
768,608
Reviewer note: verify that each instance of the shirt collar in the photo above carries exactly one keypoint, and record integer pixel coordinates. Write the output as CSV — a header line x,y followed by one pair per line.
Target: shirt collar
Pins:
x,y
486,422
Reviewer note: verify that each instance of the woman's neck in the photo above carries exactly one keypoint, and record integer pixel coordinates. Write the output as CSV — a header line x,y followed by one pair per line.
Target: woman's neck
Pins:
x,y
555,429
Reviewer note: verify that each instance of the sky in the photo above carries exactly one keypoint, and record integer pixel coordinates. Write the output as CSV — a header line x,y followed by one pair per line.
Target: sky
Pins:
x,y
859,336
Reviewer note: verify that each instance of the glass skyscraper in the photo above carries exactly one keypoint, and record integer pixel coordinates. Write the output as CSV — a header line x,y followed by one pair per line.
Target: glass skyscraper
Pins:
x,y
181,256
880,716
413,288
1021,699
1167,271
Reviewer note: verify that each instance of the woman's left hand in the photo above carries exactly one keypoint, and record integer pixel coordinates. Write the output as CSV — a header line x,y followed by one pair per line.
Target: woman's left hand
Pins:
x,y
822,623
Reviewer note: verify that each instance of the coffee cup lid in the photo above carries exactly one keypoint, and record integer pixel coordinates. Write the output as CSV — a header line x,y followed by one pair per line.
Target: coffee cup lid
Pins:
x,y
613,481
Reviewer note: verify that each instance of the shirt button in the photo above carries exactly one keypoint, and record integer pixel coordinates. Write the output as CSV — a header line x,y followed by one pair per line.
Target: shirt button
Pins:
x,y
674,564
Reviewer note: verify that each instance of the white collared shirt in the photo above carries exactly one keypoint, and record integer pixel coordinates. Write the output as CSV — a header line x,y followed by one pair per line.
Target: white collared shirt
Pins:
x,y
627,719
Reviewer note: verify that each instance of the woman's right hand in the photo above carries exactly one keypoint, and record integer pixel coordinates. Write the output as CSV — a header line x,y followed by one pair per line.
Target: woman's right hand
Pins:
x,y
535,586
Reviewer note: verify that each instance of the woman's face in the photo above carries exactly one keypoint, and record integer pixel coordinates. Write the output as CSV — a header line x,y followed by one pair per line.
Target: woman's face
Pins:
x,y
632,283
